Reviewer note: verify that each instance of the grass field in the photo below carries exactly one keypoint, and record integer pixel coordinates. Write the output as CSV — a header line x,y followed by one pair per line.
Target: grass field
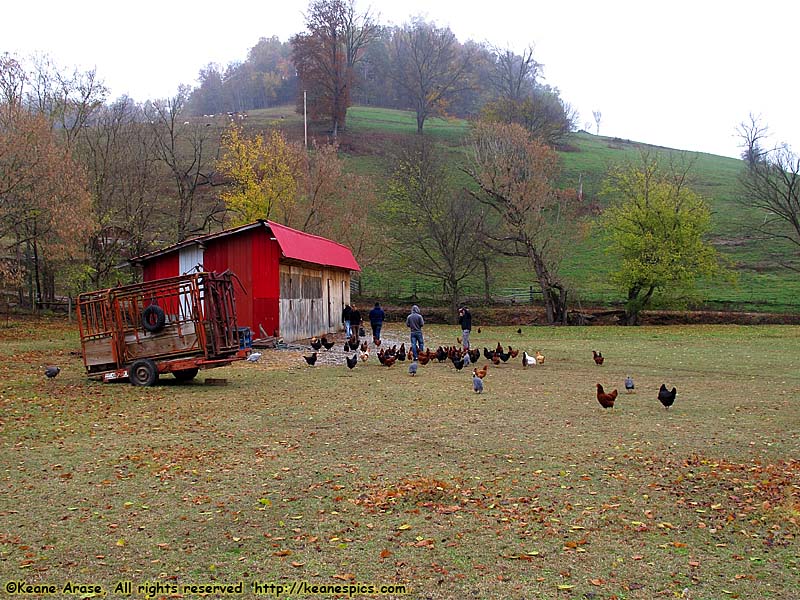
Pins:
x,y
530,490
373,134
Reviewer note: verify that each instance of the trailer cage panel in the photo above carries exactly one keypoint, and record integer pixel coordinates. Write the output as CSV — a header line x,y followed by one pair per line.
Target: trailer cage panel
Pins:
x,y
175,325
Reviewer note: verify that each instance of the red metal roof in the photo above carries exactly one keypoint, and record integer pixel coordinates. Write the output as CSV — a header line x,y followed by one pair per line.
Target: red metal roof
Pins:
x,y
299,245
294,244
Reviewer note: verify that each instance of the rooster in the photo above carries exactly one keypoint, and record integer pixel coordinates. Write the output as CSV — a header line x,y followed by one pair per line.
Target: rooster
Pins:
x,y
352,362
666,397
598,357
539,357
606,400
528,360
311,359
480,372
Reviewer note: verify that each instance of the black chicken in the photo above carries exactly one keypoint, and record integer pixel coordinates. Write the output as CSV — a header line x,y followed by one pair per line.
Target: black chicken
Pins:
x,y
316,343
458,363
52,371
326,344
352,362
666,397
311,359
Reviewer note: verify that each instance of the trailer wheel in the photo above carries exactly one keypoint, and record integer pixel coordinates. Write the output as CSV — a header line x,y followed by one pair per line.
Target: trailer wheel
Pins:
x,y
143,372
186,374
153,318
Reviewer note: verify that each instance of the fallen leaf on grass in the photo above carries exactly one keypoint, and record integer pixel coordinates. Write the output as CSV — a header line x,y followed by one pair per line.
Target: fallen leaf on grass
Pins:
x,y
385,553
282,553
345,577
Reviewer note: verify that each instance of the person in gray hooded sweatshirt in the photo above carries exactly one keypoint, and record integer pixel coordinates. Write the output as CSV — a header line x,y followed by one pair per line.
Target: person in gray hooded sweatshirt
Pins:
x,y
415,322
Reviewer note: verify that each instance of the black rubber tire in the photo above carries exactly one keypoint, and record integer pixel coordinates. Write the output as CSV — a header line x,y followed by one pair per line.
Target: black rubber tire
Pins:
x,y
153,318
186,374
143,372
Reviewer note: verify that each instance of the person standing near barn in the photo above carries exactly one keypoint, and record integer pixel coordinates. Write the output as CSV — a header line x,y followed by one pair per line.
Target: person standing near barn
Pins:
x,y
376,317
355,322
465,321
347,311
415,323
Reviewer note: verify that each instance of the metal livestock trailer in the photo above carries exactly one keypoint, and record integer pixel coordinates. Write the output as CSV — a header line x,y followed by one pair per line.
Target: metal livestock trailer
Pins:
x,y
175,325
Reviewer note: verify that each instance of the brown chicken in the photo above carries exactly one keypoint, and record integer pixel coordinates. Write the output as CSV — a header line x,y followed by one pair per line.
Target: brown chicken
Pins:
x,y
598,357
606,400
481,372
389,360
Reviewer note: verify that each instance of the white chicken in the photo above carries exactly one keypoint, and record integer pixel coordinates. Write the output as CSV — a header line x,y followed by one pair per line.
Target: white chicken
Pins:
x,y
528,360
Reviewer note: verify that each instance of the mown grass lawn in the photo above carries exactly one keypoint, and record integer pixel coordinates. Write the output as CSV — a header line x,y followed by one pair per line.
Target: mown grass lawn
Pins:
x,y
530,490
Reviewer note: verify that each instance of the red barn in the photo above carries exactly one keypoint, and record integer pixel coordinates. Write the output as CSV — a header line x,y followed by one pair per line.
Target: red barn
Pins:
x,y
295,284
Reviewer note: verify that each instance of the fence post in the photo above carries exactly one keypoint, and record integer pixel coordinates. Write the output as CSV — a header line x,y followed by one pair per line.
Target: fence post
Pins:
x,y
530,293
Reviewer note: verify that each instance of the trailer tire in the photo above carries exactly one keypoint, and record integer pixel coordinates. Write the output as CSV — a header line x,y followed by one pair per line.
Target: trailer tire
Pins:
x,y
143,372
185,374
153,318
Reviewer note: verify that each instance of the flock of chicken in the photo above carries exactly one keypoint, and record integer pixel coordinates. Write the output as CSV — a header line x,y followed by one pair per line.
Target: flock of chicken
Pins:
x,y
606,400
461,358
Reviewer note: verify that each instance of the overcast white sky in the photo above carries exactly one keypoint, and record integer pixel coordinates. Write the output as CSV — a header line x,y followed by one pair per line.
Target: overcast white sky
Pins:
x,y
681,74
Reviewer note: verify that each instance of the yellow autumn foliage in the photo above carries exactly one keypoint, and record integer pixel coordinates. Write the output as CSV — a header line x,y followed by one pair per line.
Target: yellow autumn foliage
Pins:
x,y
264,174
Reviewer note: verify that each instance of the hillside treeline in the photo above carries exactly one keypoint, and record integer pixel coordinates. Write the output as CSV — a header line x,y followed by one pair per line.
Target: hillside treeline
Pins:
x,y
416,66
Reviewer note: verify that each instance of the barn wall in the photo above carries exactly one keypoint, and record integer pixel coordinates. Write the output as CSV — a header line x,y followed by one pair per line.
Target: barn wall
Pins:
x,y
311,300
161,267
253,257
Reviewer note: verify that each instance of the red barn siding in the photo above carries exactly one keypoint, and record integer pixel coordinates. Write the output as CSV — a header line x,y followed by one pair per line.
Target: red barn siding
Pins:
x,y
254,253
163,266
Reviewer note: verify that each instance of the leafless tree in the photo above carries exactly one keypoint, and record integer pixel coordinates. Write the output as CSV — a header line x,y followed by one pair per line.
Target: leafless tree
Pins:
x,y
597,116
514,75
430,67
437,226
752,135
185,148
772,186
118,155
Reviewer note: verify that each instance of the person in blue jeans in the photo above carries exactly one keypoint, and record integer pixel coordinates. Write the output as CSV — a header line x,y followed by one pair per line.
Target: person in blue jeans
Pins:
x,y
346,312
415,323
376,317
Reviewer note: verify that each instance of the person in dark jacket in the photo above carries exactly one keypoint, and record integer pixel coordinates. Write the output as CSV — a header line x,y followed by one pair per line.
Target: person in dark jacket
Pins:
x,y
376,317
355,322
465,321
415,323
347,311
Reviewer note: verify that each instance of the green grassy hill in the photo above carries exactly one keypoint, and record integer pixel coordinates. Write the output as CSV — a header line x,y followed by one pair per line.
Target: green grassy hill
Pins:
x,y
373,133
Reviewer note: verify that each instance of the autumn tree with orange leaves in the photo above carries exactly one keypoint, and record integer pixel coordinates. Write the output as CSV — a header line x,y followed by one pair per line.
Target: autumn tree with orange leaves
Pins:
x,y
516,175
326,54
45,205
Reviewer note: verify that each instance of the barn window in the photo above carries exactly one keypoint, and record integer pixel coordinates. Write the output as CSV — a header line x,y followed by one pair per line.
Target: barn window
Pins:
x,y
291,286
312,287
